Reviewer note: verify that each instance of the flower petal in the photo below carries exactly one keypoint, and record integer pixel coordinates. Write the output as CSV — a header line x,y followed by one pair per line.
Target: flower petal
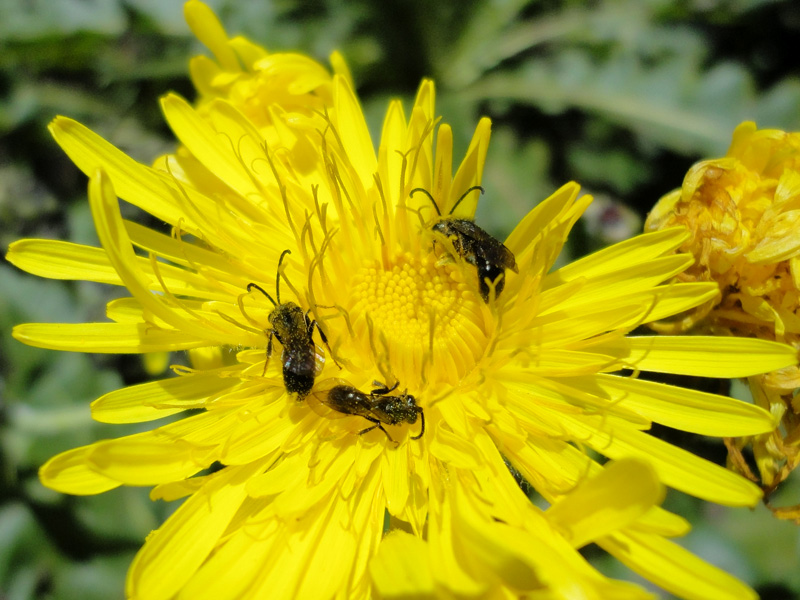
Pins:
x,y
206,27
640,249
64,260
470,171
156,399
148,459
172,554
674,568
618,496
353,131
122,338
704,356
137,184
213,149
675,467
401,569
394,467
684,409
114,238
70,473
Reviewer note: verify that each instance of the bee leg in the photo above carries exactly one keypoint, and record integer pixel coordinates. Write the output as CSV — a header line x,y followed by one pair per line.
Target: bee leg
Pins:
x,y
377,425
491,278
445,259
422,430
323,337
269,352
381,389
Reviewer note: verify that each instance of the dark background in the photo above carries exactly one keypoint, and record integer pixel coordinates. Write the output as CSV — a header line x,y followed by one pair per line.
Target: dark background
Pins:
x,y
621,96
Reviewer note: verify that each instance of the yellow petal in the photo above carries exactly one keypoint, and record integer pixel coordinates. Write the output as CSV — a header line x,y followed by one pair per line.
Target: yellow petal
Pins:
x,y
662,522
203,72
122,338
353,131
136,183
675,467
401,569
641,249
470,171
146,459
443,168
324,477
503,550
618,496
225,575
148,401
393,137
206,26
534,225
114,238
675,569
173,553
286,473
150,190
340,68
446,557
249,53
394,466
704,356
175,490
685,409
636,277
70,473
780,242
669,300
64,260
554,466
454,449
214,149
257,434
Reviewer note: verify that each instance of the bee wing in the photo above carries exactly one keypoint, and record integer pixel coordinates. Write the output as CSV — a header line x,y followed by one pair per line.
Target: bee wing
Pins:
x,y
318,398
319,360
487,246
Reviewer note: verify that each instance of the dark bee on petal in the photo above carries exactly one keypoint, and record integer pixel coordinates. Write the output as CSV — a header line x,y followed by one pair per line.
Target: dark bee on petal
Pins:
x,y
379,406
475,246
301,358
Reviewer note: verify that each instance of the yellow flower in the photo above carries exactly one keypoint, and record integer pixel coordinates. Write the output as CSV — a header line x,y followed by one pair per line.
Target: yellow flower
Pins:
x,y
288,497
261,85
742,213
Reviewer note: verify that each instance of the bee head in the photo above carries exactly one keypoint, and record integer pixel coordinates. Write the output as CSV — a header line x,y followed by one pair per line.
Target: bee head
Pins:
x,y
410,408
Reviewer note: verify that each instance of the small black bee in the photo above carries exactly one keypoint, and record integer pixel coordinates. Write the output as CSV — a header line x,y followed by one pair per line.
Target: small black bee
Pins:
x,y
378,406
475,246
301,358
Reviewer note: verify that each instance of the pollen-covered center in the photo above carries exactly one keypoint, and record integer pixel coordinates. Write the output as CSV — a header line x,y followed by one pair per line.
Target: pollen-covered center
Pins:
x,y
424,316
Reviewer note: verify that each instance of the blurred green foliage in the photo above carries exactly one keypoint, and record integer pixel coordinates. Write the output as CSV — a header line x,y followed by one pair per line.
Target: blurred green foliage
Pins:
x,y
620,95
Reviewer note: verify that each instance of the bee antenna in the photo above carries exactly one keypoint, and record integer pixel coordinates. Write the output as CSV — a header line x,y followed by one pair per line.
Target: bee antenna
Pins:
x,y
464,195
278,276
428,194
422,418
250,287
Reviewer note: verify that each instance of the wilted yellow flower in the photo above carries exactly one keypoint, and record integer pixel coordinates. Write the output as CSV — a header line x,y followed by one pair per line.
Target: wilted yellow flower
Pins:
x,y
300,496
743,217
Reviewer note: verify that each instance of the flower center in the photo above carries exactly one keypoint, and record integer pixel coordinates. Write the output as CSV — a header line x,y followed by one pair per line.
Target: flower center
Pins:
x,y
426,321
